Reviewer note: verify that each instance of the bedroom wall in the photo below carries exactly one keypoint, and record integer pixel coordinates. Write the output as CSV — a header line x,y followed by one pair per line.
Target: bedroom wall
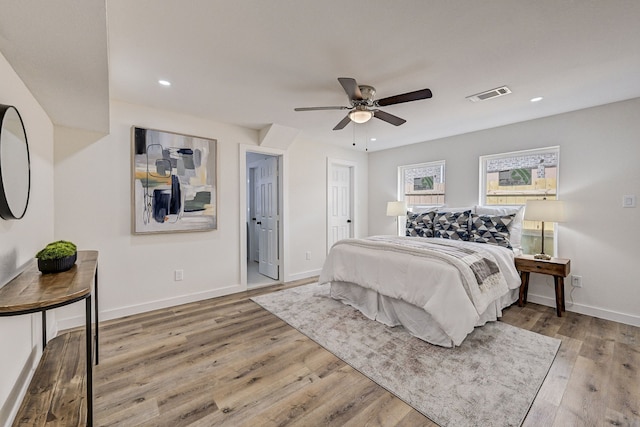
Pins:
x,y
93,209
21,239
599,154
308,187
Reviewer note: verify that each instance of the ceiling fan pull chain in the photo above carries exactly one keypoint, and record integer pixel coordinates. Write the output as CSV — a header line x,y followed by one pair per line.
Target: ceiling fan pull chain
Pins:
x,y
354,135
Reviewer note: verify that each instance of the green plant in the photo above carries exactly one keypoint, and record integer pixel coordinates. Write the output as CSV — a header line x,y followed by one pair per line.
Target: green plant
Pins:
x,y
56,250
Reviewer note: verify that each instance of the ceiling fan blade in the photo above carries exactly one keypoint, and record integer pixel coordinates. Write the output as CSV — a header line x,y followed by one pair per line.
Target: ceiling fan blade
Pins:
x,y
321,108
389,118
351,87
405,97
342,123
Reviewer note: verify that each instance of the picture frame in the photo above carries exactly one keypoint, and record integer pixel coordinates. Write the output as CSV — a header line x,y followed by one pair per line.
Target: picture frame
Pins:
x,y
174,180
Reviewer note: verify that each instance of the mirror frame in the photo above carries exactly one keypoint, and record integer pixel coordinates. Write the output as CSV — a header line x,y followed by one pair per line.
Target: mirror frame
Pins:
x,y
6,211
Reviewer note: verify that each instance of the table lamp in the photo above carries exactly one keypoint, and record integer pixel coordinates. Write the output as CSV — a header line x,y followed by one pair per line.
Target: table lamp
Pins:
x,y
544,211
396,208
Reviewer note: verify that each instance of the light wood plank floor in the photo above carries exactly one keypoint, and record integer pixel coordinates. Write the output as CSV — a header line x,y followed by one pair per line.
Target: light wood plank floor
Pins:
x,y
226,361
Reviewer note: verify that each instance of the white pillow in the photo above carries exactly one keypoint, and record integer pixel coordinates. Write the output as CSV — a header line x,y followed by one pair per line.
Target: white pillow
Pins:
x,y
448,209
423,209
515,231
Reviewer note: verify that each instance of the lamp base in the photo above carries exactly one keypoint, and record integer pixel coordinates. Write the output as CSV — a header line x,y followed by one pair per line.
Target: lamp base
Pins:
x,y
542,256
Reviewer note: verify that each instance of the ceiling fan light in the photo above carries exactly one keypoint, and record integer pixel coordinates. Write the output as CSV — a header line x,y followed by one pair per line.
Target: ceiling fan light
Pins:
x,y
360,116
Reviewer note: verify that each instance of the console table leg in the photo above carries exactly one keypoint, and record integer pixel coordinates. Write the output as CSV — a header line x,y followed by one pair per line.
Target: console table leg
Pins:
x,y
44,329
97,319
89,357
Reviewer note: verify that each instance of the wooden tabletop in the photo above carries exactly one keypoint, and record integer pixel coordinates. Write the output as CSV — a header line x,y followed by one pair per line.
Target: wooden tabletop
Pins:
x,y
33,291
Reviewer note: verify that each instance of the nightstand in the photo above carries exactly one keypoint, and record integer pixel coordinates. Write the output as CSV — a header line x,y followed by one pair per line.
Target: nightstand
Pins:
x,y
559,268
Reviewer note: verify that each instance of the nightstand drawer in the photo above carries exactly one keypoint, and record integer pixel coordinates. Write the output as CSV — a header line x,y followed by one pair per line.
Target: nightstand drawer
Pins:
x,y
554,266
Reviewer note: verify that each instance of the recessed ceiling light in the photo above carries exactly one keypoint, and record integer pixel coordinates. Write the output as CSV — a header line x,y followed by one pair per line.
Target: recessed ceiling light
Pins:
x,y
536,99
372,139
164,82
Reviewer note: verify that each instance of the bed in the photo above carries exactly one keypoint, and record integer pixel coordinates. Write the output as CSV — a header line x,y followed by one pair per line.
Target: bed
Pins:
x,y
452,272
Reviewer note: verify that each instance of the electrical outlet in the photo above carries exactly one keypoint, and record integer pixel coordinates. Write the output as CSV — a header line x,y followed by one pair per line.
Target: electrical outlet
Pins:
x,y
308,255
576,281
629,201
178,275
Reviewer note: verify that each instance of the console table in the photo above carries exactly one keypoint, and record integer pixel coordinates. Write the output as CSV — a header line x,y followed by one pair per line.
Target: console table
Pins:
x,y
32,292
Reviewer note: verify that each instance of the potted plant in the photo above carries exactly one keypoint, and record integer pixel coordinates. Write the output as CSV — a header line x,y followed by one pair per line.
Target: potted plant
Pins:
x,y
57,256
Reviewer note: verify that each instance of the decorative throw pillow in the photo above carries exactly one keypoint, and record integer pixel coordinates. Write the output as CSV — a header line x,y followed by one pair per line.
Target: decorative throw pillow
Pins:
x,y
420,224
452,225
492,229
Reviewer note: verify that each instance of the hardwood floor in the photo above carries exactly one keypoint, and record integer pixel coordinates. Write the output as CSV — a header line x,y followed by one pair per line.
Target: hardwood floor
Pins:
x,y
227,361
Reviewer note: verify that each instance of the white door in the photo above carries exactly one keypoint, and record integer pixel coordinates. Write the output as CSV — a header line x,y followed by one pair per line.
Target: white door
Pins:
x,y
340,204
267,215
254,228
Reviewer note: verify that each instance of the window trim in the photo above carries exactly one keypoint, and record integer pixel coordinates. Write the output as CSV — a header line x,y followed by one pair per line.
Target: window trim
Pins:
x,y
402,168
482,193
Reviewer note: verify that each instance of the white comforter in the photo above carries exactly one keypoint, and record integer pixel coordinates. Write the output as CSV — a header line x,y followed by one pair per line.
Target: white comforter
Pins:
x,y
413,276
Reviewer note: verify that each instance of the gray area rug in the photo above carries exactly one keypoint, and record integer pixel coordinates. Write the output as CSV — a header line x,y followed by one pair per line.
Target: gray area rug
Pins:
x,y
490,380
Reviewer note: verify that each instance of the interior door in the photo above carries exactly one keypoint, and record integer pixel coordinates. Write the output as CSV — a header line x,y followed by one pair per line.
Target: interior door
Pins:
x,y
340,223
267,214
254,228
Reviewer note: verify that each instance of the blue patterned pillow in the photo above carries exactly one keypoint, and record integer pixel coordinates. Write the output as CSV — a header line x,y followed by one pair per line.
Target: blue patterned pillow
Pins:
x,y
492,229
420,224
452,225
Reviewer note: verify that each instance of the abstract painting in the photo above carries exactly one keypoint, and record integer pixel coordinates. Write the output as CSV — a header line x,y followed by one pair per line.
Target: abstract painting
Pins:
x,y
174,182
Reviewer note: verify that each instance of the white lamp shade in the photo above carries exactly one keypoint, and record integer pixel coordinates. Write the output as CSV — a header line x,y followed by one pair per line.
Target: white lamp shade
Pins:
x,y
396,208
544,210
360,116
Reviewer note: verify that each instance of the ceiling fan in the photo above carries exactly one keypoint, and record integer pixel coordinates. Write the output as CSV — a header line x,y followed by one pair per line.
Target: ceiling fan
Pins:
x,y
364,106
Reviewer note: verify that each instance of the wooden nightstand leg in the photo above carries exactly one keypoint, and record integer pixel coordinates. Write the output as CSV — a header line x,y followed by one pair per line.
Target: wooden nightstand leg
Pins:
x,y
524,288
559,282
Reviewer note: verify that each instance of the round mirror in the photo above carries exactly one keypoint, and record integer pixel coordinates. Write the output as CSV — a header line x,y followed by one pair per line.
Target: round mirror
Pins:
x,y
15,171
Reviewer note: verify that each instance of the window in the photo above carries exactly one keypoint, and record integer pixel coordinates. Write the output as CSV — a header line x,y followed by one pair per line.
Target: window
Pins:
x,y
421,185
513,178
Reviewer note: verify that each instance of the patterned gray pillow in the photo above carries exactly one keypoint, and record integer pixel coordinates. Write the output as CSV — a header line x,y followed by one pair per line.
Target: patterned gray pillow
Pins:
x,y
420,224
452,225
492,229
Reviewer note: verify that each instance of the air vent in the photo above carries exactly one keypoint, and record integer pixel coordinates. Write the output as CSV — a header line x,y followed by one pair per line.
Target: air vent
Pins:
x,y
493,93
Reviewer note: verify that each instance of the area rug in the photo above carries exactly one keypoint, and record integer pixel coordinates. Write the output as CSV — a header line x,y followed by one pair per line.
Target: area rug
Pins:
x,y
490,380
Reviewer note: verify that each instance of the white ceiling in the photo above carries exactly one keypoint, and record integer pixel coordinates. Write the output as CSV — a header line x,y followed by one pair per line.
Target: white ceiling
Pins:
x,y
250,62
59,49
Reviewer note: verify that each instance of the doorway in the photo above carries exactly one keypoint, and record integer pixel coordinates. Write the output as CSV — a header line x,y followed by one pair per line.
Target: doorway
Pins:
x,y
340,200
263,219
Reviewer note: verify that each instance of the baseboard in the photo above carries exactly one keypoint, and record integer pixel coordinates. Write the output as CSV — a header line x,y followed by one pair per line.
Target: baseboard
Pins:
x,y
303,275
627,319
14,399
116,313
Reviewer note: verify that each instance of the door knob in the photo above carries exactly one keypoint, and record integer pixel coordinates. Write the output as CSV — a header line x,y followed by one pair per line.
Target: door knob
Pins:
x,y
348,221
259,222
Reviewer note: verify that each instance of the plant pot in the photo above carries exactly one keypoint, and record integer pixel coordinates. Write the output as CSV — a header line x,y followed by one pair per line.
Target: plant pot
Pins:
x,y
57,265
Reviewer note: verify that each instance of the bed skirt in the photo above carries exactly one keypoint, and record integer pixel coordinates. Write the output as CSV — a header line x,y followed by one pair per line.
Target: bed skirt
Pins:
x,y
394,312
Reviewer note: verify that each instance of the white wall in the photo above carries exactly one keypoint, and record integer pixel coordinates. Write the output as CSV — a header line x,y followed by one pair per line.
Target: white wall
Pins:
x,y
599,154
21,239
308,205
93,209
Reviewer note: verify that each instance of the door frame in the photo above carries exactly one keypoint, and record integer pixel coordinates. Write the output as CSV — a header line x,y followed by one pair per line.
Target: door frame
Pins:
x,y
283,208
352,196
